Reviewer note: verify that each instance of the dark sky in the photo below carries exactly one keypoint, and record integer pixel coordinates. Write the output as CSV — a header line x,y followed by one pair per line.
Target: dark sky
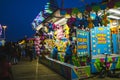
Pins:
x,y
18,15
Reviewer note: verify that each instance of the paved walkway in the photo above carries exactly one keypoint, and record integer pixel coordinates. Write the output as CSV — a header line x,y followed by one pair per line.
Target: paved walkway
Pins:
x,y
26,70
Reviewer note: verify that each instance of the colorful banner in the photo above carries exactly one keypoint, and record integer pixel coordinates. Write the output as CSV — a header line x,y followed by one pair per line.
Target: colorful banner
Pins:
x,y
82,42
100,40
113,62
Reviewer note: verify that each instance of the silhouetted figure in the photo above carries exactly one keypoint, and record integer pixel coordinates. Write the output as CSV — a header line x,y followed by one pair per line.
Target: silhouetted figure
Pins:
x,y
55,53
5,69
30,52
68,54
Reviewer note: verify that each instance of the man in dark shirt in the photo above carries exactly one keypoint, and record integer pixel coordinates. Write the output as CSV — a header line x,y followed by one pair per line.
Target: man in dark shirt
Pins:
x,y
68,54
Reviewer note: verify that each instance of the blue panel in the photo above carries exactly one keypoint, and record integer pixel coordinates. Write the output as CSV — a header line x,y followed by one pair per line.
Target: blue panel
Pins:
x,y
83,44
74,76
100,40
93,69
115,43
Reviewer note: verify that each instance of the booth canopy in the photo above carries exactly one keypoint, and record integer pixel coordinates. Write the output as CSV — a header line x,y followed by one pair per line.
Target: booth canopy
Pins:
x,y
74,7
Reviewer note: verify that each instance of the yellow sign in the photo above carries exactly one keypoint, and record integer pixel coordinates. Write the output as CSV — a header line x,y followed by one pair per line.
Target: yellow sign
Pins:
x,y
101,28
82,39
101,38
82,47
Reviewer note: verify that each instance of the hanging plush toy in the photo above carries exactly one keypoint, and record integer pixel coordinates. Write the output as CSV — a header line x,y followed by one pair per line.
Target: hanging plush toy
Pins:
x,y
59,32
77,22
66,31
97,21
42,38
55,33
50,26
81,23
54,26
85,21
70,22
90,23
37,42
105,19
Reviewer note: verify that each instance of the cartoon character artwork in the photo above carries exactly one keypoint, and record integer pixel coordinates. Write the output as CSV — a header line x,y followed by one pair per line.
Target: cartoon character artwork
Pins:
x,y
105,19
59,32
66,31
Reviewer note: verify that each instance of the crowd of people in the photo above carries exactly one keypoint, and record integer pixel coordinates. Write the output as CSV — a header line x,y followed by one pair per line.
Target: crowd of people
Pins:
x,y
10,54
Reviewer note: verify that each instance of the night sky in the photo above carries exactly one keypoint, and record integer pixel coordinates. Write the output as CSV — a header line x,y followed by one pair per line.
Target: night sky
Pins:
x,y
18,15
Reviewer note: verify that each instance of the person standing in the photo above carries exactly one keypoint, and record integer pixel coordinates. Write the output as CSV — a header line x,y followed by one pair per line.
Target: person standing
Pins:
x,y
55,53
30,52
5,69
68,54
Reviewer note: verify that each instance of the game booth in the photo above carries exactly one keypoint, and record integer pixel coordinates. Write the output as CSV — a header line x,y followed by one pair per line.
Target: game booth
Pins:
x,y
92,32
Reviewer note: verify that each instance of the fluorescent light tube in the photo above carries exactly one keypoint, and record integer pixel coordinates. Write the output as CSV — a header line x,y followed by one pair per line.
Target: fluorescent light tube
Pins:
x,y
113,17
114,11
61,21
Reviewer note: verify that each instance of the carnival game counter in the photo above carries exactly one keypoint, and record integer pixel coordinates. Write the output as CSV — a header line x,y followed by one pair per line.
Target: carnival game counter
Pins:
x,y
68,71
113,61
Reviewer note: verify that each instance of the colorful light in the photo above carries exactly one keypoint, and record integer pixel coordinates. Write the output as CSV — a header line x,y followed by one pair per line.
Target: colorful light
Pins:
x,y
0,30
